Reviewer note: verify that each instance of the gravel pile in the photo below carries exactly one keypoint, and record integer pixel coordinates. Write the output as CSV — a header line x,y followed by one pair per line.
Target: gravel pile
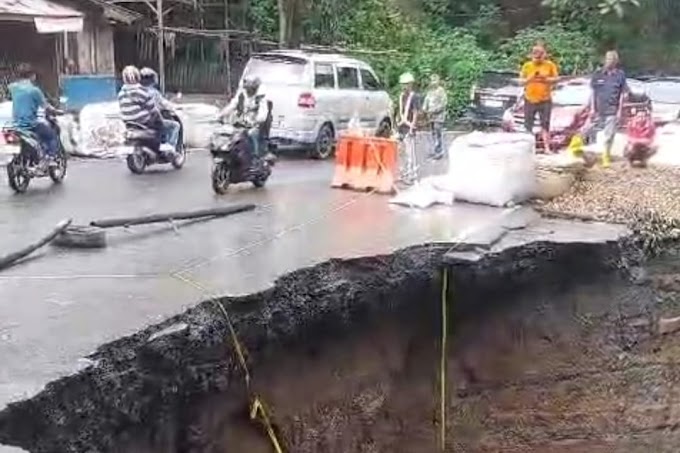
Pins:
x,y
621,194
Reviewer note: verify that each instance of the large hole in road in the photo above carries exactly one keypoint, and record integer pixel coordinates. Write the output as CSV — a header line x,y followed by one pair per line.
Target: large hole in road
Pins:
x,y
551,348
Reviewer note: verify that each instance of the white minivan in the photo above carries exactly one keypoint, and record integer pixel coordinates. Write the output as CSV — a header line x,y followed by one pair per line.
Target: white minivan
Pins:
x,y
315,96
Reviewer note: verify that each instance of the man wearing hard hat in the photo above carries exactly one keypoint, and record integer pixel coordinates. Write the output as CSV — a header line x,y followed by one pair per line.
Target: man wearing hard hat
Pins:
x,y
407,118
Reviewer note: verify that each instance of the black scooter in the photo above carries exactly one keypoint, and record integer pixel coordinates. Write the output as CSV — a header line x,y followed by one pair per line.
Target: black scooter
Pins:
x,y
29,160
234,160
146,144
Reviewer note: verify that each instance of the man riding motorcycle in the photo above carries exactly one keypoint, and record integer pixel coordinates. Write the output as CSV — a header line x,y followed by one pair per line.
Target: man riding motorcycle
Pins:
x,y
250,109
27,98
137,105
170,134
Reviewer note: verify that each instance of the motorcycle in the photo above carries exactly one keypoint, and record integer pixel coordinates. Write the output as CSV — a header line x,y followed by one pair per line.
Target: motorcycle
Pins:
x,y
146,146
28,161
234,160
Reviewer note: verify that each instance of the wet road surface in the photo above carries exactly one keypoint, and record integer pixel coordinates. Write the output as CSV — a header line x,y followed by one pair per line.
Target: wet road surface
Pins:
x,y
60,305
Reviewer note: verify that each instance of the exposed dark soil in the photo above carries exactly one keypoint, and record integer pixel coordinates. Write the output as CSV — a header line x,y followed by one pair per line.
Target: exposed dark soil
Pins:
x,y
552,349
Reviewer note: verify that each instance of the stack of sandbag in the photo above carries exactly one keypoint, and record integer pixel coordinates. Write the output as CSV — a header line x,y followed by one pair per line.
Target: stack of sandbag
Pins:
x,y
200,121
556,173
102,131
492,168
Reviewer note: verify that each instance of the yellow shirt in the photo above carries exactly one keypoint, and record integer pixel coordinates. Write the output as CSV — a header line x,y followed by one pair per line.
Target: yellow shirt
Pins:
x,y
538,90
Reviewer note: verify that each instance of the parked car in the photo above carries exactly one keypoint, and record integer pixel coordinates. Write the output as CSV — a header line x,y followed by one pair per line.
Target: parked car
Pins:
x,y
315,96
491,96
664,93
571,109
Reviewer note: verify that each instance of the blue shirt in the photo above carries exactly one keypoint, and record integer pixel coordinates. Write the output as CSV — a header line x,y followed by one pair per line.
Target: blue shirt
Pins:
x,y
608,87
26,100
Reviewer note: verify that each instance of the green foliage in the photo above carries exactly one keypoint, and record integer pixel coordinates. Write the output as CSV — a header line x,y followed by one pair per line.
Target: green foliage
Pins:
x,y
573,51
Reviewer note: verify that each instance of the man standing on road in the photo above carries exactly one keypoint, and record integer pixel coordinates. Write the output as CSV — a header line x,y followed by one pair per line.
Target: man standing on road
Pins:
x,y
435,108
407,119
538,76
609,89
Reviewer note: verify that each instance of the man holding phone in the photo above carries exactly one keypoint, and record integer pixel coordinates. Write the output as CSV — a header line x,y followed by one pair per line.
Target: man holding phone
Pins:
x,y
538,76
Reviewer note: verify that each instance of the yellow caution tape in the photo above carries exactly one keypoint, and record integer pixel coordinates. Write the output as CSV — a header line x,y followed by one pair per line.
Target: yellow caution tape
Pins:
x,y
442,362
257,407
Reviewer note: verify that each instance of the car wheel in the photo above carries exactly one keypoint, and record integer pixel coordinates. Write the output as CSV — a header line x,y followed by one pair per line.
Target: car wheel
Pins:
x,y
324,147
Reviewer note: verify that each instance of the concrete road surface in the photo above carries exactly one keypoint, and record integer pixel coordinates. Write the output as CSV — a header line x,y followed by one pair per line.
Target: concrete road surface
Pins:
x,y
58,306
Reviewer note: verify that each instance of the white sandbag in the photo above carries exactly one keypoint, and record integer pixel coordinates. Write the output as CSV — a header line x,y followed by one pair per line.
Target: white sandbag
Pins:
x,y
200,121
424,194
102,131
494,168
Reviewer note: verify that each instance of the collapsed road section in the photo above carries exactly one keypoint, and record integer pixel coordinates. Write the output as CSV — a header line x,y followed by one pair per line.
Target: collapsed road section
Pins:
x,y
551,348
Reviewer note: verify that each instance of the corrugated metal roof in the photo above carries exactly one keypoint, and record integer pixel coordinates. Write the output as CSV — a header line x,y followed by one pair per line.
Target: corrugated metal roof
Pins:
x,y
36,8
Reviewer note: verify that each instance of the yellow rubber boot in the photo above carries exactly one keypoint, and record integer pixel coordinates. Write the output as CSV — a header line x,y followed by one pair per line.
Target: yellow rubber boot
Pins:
x,y
606,159
575,147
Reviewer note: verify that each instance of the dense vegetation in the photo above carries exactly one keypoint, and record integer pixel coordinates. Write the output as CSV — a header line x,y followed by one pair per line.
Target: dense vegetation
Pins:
x,y
457,39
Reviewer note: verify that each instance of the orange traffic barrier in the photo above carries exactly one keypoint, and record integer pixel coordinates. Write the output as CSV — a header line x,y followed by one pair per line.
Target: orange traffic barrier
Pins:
x,y
365,163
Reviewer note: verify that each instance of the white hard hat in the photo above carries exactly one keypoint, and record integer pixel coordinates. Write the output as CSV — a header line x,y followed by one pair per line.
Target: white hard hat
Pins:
x,y
405,78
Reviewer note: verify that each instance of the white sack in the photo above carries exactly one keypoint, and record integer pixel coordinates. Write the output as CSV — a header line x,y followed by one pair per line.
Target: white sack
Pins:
x,y
102,132
495,168
200,121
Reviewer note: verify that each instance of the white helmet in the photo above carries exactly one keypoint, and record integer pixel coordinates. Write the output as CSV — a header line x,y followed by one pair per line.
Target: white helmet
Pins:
x,y
131,75
406,78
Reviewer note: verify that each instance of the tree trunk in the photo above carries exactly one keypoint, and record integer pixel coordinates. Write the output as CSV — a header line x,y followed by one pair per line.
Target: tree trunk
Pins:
x,y
290,23
283,22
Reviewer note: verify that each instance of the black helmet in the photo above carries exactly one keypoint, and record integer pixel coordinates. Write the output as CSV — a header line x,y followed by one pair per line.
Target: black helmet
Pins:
x,y
148,77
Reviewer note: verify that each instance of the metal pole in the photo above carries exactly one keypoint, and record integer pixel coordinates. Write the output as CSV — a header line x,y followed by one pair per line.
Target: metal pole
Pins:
x,y
161,45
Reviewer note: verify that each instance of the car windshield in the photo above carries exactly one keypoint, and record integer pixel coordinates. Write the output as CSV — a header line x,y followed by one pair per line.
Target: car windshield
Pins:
x,y
276,69
665,92
571,95
496,80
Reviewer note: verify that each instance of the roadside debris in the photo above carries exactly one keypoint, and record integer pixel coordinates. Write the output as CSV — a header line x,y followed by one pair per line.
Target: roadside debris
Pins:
x,y
12,258
619,194
94,235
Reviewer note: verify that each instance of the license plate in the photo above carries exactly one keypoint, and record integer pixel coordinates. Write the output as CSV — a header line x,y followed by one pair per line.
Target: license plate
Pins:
x,y
218,160
493,103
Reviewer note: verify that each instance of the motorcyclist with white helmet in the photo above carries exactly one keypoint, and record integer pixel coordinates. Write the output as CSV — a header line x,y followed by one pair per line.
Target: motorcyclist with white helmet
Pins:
x,y
249,107
137,105
170,133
